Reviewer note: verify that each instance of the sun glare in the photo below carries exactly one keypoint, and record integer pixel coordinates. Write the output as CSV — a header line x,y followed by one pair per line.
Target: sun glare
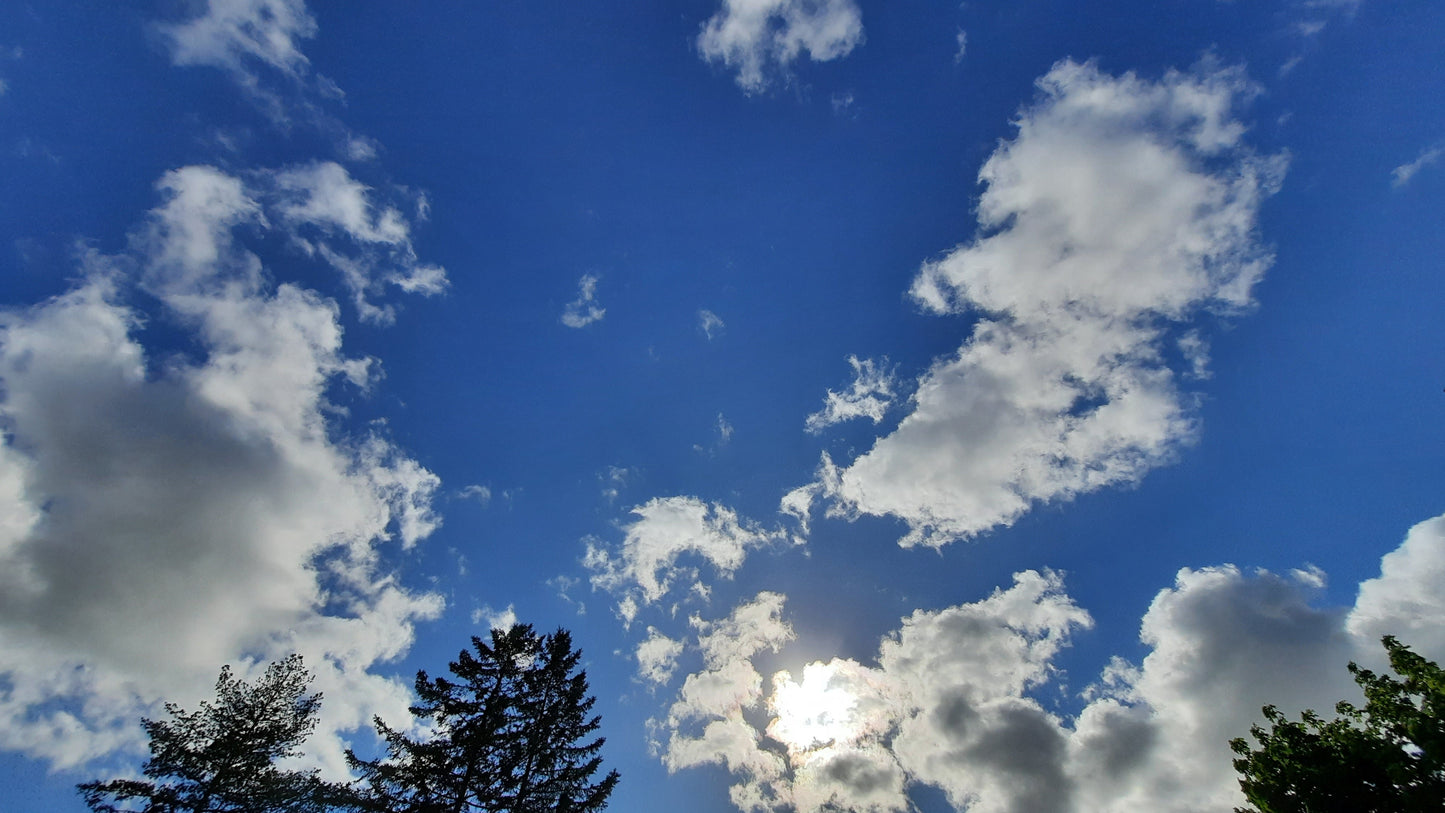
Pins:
x,y
814,713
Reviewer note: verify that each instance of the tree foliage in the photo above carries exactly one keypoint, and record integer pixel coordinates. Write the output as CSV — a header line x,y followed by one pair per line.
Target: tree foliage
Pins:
x,y
1388,757
223,756
510,732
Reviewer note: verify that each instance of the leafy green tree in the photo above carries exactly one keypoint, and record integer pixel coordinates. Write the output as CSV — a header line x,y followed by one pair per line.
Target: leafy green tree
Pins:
x,y
223,757
509,733
1388,757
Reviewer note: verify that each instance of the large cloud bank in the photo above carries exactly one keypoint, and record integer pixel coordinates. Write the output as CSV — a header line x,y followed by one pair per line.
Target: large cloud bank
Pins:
x,y
164,515
955,698
1121,211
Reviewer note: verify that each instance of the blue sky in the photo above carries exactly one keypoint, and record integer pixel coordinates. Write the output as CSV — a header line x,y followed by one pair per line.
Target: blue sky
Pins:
x,y
955,406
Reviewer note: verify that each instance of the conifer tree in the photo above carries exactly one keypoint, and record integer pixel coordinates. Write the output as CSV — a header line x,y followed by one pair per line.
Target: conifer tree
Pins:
x,y
510,733
222,757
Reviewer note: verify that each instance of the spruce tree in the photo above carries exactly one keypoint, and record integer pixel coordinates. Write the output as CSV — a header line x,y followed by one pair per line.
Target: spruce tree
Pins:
x,y
510,731
222,757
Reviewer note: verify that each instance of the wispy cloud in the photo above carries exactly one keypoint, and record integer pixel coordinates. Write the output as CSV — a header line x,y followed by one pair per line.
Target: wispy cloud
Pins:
x,y
649,563
336,218
495,619
1428,157
584,310
1122,209
482,494
761,39
709,323
241,35
870,396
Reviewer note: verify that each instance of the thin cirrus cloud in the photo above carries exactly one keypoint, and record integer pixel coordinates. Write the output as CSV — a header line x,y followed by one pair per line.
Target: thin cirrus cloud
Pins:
x,y
1122,211
952,699
761,39
1428,157
164,518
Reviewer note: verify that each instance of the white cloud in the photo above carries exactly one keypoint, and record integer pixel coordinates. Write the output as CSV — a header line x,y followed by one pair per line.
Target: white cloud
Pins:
x,y
1428,157
962,42
322,210
495,619
584,310
1123,209
1406,599
869,396
165,518
482,494
237,34
706,724
761,38
952,701
849,735
709,323
614,480
333,216
657,657
647,567
257,43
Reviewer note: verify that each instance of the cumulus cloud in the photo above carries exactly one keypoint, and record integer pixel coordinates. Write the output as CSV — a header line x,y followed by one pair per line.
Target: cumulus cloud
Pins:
x,y
869,396
1404,173
850,736
762,38
657,657
705,724
1121,211
952,699
164,516
584,310
647,565
1406,599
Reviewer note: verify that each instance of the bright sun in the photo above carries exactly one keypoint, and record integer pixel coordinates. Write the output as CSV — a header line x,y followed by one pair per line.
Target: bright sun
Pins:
x,y
812,714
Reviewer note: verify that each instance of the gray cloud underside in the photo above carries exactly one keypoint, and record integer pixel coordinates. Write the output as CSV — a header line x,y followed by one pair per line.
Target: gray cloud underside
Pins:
x,y
163,516
950,700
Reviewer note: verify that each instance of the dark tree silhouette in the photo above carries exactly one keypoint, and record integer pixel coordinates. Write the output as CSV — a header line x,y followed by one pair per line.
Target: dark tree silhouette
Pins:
x,y
223,757
1388,757
510,733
